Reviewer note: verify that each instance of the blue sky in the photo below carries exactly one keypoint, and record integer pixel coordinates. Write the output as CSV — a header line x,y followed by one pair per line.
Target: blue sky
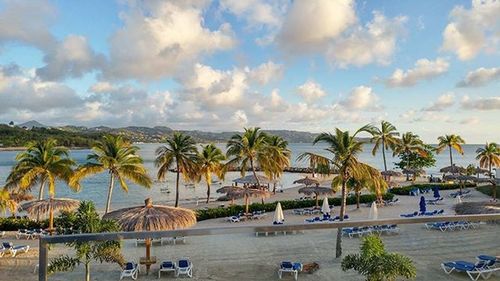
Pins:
x,y
432,67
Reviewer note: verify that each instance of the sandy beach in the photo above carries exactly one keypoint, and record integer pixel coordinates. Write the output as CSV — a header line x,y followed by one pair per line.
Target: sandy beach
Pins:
x,y
246,257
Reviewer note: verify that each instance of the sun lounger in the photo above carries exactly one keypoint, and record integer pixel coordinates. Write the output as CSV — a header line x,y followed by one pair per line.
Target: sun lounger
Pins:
x,y
434,201
24,234
391,202
409,215
290,267
167,266
131,269
473,270
9,248
184,267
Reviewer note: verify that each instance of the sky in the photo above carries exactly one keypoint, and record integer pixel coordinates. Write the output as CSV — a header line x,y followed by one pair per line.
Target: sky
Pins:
x,y
430,67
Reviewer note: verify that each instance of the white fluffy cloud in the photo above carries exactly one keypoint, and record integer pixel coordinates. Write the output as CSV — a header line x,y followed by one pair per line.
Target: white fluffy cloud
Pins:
x,y
490,103
160,37
256,12
361,98
444,101
480,77
266,72
312,24
472,31
311,91
374,43
424,69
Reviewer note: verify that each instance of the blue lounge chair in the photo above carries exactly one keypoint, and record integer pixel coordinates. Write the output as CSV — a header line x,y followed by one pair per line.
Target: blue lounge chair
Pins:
x,y
291,267
473,270
131,269
184,267
9,248
409,215
167,266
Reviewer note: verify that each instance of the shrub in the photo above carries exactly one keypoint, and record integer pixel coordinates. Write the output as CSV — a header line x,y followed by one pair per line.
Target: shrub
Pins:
x,y
442,186
15,223
222,212
488,190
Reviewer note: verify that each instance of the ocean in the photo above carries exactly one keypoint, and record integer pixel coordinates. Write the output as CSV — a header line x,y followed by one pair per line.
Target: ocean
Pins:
x,y
95,188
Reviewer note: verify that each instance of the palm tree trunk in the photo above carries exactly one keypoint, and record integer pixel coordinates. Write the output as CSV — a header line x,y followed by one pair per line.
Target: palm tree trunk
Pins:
x,y
246,204
451,158
383,154
408,166
177,187
42,186
489,172
51,217
110,191
87,271
274,188
208,192
358,195
256,178
338,248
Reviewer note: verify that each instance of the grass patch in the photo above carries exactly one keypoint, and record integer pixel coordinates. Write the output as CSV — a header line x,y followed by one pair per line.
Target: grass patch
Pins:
x,y
488,190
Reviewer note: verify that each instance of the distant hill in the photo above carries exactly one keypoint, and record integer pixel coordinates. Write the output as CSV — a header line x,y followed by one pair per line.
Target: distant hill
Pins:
x,y
32,124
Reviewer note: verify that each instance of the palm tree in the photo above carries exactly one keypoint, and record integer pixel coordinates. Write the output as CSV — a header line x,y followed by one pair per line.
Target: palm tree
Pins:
x,y
408,144
278,158
385,137
43,162
345,149
210,162
120,159
247,149
7,202
450,141
88,221
489,156
180,152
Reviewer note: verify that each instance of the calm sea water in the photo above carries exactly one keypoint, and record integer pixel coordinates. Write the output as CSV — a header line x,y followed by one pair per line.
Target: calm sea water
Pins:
x,y
95,187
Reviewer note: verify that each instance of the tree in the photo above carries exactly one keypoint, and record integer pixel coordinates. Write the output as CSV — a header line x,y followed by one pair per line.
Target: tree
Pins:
x,y
376,264
450,141
43,162
88,221
489,156
385,137
6,202
278,157
120,159
179,151
210,162
417,160
344,148
408,144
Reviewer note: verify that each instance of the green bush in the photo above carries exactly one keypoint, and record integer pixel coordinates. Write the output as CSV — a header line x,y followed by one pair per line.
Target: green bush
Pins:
x,y
13,224
222,212
488,190
442,186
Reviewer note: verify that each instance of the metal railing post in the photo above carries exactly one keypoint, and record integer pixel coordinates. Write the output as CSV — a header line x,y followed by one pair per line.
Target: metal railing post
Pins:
x,y
43,260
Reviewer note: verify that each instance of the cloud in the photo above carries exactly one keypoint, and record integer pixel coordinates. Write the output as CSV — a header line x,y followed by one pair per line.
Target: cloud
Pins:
x,y
361,98
266,72
374,43
311,91
256,12
471,31
470,121
480,77
444,101
71,58
310,25
490,103
159,37
424,69
430,116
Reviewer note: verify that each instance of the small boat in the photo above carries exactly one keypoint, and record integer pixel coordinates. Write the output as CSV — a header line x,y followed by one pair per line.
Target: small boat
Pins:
x,y
165,190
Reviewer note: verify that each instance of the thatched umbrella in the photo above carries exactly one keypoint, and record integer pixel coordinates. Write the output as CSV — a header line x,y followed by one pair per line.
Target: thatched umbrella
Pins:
x,y
251,180
461,179
226,189
316,190
414,172
307,181
479,170
453,169
152,218
49,205
247,193
390,173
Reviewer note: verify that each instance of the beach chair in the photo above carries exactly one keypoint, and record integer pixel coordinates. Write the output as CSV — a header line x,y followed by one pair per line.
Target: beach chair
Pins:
x,y
490,260
24,234
9,248
473,270
442,226
290,267
130,269
184,267
166,266
409,215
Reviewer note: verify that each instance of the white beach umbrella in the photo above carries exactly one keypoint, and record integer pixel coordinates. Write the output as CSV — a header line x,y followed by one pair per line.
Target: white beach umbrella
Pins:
x,y
325,208
373,212
278,214
459,199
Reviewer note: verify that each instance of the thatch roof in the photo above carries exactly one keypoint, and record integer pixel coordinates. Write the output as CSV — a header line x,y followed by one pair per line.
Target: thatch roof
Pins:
x,y
36,207
414,171
226,189
470,208
151,217
250,179
453,169
459,178
319,190
391,173
307,181
479,170
21,196
241,192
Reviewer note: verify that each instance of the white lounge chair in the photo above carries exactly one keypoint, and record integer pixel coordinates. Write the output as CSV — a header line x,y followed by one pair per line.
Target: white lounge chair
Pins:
x,y
131,269
184,267
291,267
24,233
8,247
167,266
